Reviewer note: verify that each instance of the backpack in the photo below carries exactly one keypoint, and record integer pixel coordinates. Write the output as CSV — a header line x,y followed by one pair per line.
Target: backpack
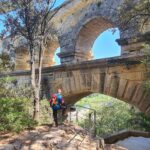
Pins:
x,y
60,99
54,102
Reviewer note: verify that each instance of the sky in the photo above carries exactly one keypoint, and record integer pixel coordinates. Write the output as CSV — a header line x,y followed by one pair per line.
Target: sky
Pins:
x,y
104,46
59,2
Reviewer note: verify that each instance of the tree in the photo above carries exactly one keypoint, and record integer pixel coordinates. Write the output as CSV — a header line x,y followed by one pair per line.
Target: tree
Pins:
x,y
14,113
134,13
30,21
5,66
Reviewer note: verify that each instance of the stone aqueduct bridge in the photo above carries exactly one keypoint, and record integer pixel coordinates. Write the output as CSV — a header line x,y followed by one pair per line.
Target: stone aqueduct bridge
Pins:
x,y
78,23
119,77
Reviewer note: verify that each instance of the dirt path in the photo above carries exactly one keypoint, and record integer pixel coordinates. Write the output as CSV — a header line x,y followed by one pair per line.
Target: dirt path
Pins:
x,y
64,137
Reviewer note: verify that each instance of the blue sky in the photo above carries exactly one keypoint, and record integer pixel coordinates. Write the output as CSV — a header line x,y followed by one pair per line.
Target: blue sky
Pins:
x,y
104,46
59,2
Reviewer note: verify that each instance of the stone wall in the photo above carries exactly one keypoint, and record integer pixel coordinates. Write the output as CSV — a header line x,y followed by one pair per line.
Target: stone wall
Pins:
x,y
119,77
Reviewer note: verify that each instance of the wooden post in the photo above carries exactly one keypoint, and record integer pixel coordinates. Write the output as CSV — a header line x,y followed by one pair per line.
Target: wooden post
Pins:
x,y
77,116
70,115
90,125
94,123
90,121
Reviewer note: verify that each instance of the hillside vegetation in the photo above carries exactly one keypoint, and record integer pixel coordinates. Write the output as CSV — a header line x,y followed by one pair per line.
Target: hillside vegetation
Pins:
x,y
114,115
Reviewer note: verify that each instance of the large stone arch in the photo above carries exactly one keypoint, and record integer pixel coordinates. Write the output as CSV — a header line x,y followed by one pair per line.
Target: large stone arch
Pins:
x,y
88,34
84,25
78,14
131,92
70,21
117,78
22,58
49,53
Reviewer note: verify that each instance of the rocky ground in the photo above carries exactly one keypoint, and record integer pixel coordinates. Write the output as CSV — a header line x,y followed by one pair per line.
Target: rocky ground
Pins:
x,y
64,137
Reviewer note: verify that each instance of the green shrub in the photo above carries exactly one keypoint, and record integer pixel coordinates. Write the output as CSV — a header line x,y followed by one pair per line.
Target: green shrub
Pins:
x,y
14,115
45,112
15,101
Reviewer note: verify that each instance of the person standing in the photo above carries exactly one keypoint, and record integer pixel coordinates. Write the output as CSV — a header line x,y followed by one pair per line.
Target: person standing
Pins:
x,y
56,103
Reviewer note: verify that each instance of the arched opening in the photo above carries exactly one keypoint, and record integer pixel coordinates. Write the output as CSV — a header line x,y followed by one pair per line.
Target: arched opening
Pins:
x,y
95,40
22,59
58,3
1,22
105,45
56,58
50,53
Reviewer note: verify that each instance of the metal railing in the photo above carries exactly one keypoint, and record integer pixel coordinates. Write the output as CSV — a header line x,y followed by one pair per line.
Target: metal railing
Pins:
x,y
89,122
85,117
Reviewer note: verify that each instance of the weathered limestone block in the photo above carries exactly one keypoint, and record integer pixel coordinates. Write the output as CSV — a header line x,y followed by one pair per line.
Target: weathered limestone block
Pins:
x,y
145,102
121,88
129,90
77,80
102,82
66,86
135,76
95,82
114,86
72,85
107,84
139,93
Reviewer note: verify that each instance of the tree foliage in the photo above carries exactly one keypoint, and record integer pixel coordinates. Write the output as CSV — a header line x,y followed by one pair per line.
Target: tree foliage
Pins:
x,y
29,22
14,101
113,115
5,63
14,115
5,66
134,13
